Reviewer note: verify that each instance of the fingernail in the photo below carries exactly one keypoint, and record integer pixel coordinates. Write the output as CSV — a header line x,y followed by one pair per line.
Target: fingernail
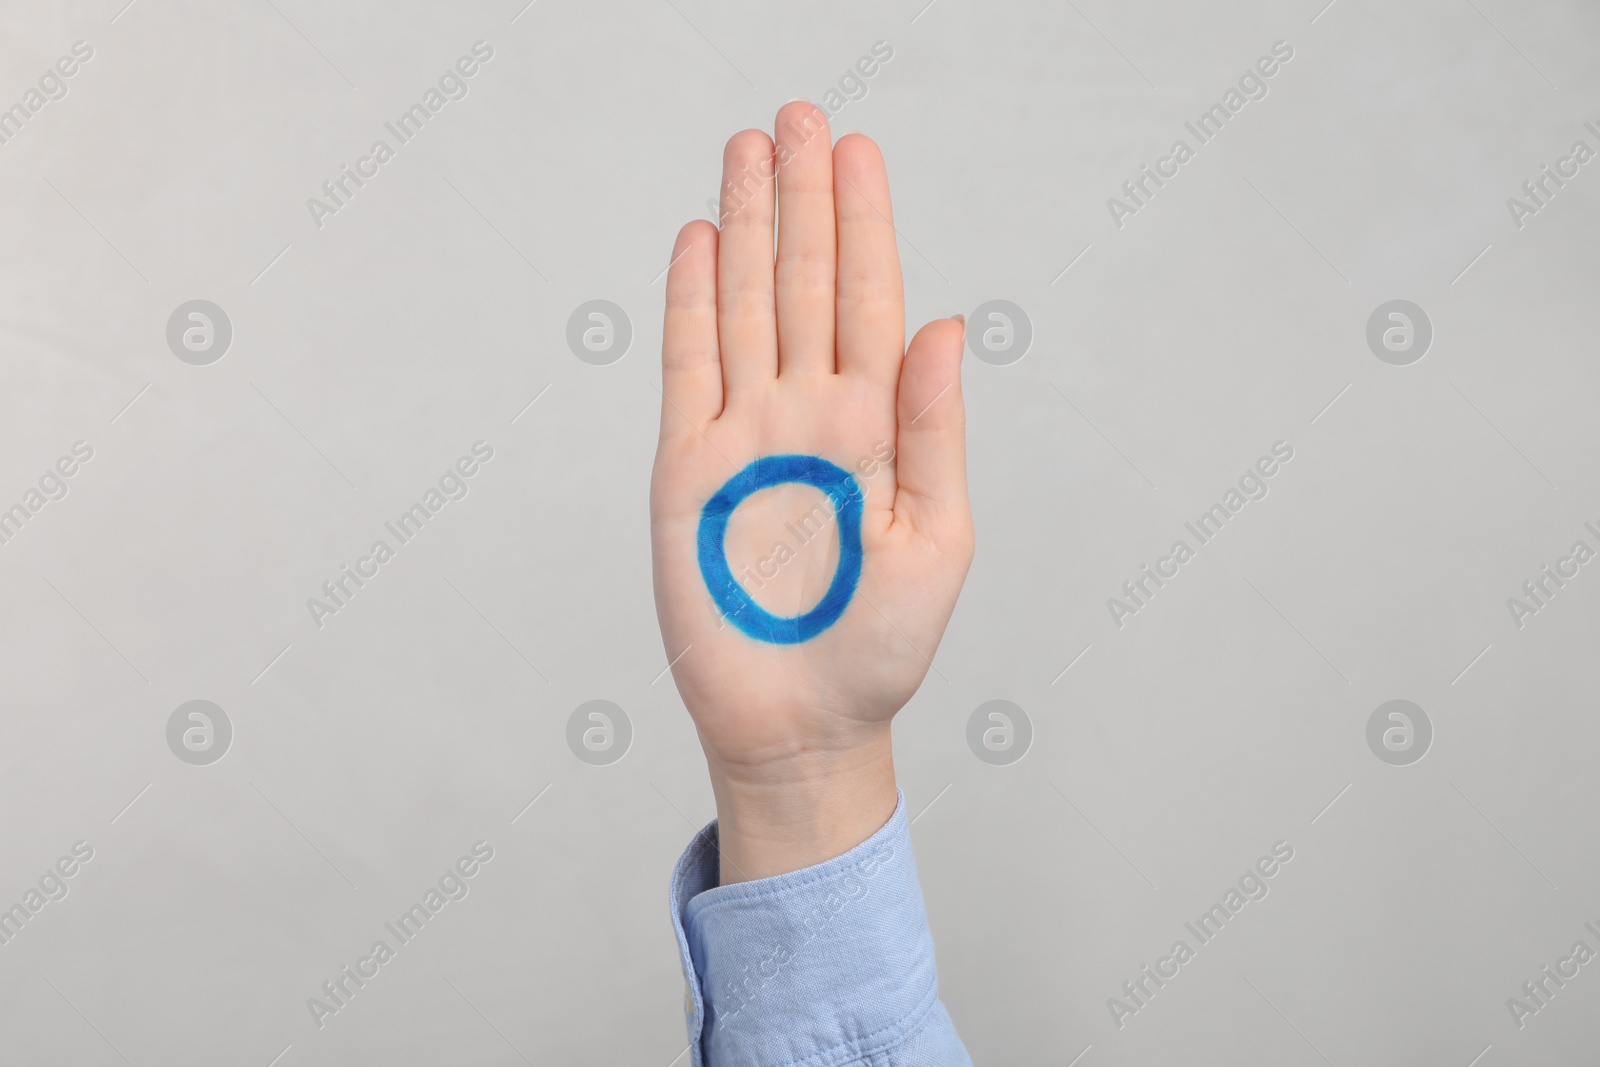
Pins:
x,y
962,319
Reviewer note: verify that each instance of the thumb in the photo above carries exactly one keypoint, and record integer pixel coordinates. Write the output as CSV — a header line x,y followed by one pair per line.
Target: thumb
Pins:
x,y
931,453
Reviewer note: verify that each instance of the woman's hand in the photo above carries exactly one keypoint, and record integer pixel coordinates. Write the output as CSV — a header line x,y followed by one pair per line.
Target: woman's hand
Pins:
x,y
805,358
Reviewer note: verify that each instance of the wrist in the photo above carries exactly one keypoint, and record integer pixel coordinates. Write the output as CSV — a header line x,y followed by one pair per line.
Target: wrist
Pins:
x,y
801,811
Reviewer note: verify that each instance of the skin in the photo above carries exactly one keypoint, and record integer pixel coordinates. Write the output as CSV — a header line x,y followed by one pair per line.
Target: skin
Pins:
x,y
804,352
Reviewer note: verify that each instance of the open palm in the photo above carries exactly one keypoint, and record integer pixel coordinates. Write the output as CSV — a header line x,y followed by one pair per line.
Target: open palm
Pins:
x,y
803,356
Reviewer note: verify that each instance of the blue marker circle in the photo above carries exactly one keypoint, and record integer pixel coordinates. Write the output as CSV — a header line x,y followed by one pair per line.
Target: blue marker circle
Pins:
x,y
730,596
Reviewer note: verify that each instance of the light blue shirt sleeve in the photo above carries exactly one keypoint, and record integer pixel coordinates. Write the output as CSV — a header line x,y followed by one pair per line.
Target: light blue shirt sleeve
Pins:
x,y
829,966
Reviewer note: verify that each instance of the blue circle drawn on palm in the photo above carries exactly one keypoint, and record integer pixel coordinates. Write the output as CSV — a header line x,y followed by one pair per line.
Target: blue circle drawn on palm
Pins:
x,y
731,598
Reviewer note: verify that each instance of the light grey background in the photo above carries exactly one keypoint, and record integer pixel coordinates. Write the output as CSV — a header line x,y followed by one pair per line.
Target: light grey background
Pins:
x,y
368,354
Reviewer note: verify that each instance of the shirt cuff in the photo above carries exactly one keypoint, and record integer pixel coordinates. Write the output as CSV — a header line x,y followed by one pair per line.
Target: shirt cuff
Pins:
x,y
821,966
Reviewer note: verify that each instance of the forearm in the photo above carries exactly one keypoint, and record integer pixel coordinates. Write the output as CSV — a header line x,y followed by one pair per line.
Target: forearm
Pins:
x,y
801,810
827,964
